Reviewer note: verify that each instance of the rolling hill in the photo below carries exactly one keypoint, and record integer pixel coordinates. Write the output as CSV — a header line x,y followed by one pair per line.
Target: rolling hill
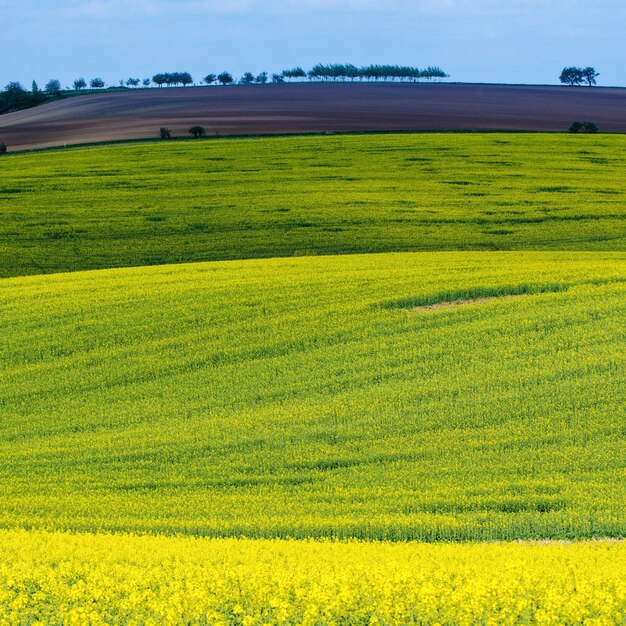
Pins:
x,y
415,436
149,204
307,398
312,108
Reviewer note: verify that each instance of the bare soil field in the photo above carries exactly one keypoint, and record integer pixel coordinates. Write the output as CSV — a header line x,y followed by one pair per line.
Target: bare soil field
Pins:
x,y
310,108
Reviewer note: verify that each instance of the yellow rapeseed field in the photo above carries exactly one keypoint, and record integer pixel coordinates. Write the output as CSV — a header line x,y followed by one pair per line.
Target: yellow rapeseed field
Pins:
x,y
57,578
305,398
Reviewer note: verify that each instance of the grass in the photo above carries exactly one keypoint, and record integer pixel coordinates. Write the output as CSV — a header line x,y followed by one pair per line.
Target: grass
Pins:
x,y
149,204
304,398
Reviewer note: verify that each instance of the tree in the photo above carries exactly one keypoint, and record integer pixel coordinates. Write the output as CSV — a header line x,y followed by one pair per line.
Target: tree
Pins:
x,y
197,131
247,79
3,148
79,84
96,83
53,87
209,79
185,78
294,72
225,78
36,95
572,76
14,87
433,72
261,79
159,79
146,82
165,133
590,76
133,82
15,98
278,78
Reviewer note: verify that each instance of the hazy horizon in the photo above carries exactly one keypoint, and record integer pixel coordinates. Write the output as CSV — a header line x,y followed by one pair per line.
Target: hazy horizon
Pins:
x,y
526,41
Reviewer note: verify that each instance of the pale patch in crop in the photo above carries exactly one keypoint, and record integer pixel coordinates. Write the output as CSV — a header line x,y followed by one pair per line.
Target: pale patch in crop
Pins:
x,y
454,303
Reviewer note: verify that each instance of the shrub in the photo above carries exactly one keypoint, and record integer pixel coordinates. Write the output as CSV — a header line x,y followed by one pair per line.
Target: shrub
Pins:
x,y
583,127
3,148
197,131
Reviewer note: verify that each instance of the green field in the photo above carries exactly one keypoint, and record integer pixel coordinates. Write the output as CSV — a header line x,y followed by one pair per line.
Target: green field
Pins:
x,y
147,204
259,417
304,397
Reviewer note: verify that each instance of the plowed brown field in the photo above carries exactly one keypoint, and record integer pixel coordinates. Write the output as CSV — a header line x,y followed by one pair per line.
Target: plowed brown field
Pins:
x,y
306,107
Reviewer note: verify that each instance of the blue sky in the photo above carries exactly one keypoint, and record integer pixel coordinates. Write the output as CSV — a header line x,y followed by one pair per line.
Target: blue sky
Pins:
x,y
518,41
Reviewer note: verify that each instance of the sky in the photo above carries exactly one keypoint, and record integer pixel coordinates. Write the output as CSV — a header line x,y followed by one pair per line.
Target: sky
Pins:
x,y
501,41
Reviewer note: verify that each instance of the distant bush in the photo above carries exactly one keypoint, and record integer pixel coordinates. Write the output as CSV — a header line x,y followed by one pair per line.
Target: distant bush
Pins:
x,y
197,131
583,127
165,133
3,148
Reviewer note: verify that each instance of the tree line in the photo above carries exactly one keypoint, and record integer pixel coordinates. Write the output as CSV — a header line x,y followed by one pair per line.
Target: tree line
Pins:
x,y
16,97
340,71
